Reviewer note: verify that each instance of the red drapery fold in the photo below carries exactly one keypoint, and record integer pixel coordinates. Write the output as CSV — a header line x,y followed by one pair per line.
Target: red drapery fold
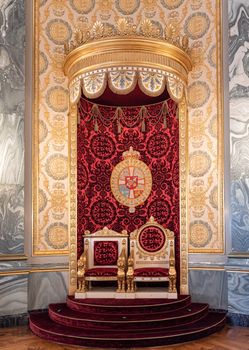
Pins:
x,y
103,135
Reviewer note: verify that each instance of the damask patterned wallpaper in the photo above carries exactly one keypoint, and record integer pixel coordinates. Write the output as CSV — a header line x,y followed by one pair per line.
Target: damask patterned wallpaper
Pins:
x,y
239,119
55,21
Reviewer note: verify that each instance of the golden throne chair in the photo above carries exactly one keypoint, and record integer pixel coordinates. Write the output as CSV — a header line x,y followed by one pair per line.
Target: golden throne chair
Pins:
x,y
152,257
103,259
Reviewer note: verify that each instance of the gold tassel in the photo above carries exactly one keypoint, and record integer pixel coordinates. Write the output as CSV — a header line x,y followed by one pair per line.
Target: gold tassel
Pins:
x,y
118,115
96,127
143,115
143,126
94,115
78,117
164,121
119,127
165,112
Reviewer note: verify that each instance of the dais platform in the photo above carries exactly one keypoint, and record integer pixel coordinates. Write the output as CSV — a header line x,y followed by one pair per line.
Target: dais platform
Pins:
x,y
110,293
122,323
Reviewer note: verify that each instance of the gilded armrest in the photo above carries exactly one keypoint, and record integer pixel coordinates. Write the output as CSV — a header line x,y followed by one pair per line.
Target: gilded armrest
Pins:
x,y
81,269
172,270
121,265
82,262
130,273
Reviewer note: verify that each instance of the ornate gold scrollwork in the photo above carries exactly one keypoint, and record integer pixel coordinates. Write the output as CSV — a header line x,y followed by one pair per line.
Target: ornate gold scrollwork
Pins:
x,y
151,83
75,91
122,82
130,274
94,85
82,267
172,270
146,28
175,88
121,271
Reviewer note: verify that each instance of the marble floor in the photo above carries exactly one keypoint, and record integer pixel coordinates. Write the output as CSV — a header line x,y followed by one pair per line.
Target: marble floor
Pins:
x,y
230,338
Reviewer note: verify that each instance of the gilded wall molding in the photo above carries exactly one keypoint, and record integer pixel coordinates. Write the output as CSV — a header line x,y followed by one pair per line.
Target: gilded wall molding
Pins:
x,y
73,198
183,171
54,23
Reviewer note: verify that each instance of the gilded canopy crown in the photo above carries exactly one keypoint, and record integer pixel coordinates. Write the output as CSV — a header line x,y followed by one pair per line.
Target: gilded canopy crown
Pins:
x,y
124,56
123,28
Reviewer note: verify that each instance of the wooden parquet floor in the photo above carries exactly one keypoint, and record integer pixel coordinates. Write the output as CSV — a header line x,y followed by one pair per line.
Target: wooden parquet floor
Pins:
x,y
230,338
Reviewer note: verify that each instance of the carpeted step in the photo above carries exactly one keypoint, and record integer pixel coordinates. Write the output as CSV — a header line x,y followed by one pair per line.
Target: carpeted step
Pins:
x,y
43,326
117,306
61,314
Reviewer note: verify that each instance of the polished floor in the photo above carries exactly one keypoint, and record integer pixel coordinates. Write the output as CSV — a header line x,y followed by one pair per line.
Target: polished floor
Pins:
x,y
230,338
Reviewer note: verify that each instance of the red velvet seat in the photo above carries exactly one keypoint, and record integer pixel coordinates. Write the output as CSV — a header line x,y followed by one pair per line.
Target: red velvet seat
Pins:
x,y
151,272
101,272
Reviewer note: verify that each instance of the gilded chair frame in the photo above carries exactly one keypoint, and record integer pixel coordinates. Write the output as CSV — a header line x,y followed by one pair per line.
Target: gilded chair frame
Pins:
x,y
162,258
86,260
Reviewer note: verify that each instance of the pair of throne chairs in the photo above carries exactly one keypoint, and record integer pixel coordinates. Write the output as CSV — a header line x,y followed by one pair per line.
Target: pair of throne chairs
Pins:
x,y
151,257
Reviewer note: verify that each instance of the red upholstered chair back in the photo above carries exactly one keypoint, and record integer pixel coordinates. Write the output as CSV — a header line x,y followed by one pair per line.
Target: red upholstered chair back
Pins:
x,y
104,247
150,245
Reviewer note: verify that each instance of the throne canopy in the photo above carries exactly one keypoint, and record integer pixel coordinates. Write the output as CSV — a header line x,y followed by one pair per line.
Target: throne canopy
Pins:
x,y
127,89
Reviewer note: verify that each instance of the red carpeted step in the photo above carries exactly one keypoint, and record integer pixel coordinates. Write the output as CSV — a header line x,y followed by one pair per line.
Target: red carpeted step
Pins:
x,y
61,314
43,326
117,306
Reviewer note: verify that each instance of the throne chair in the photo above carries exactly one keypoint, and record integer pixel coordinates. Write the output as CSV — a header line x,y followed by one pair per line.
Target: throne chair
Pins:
x,y
103,259
152,257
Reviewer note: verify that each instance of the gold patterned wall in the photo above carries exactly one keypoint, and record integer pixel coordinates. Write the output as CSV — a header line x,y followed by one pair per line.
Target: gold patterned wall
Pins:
x,y
55,21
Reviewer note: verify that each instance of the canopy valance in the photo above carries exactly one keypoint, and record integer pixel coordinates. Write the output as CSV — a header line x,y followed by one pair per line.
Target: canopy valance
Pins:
x,y
122,59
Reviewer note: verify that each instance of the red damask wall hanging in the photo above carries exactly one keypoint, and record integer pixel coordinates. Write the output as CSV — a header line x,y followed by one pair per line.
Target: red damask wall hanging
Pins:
x,y
104,133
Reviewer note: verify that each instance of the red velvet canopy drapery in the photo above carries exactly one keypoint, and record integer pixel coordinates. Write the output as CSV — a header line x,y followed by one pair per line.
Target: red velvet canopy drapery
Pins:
x,y
104,133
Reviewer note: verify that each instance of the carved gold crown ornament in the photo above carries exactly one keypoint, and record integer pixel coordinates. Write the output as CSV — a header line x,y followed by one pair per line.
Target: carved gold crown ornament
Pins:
x,y
146,28
131,154
126,54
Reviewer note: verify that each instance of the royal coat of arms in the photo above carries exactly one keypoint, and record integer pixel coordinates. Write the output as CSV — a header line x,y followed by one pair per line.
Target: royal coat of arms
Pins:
x,y
131,180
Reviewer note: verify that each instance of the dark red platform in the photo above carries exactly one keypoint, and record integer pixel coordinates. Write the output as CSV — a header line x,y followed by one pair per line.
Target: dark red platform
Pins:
x,y
109,323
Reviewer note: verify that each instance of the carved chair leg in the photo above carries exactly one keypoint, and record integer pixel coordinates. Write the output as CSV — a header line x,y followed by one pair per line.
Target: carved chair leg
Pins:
x,y
130,285
84,285
133,286
79,285
128,282
172,284
120,286
123,285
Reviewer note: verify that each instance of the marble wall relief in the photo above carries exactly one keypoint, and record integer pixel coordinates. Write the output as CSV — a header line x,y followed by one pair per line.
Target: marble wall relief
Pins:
x,y
12,43
239,121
